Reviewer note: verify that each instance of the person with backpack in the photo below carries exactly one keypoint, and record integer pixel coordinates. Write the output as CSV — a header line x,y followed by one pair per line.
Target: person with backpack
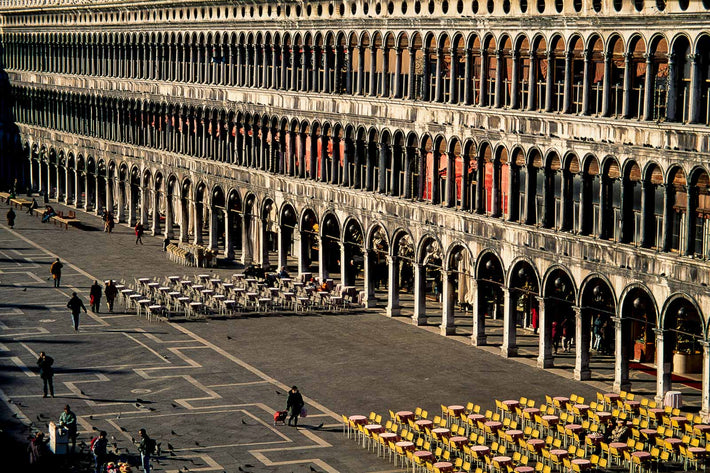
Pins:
x,y
56,271
98,449
146,449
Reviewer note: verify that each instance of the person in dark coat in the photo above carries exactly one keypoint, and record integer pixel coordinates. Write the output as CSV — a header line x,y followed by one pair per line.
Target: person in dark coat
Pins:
x,y
111,292
76,306
46,372
294,404
139,233
98,448
95,297
556,334
11,218
56,270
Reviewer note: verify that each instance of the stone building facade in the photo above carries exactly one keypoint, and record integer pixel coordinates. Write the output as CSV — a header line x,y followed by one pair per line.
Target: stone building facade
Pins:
x,y
533,160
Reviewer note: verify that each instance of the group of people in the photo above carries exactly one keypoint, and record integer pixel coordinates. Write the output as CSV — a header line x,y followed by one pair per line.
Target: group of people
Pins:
x,y
563,332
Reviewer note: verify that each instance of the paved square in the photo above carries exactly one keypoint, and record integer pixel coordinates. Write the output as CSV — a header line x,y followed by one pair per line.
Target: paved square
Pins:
x,y
210,388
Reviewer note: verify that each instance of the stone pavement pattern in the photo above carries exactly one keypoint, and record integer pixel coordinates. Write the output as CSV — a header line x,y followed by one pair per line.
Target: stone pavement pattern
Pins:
x,y
210,388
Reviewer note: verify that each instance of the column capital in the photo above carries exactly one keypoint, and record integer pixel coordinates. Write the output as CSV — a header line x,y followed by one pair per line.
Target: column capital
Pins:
x,y
397,50
499,52
515,54
628,57
693,57
648,57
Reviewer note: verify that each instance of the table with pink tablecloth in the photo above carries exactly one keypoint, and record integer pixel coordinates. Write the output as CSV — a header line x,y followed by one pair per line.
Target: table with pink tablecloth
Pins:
x,y
441,432
456,410
424,455
444,467
481,450
536,444
551,420
374,428
359,420
574,428
423,423
514,434
458,441
502,460
405,416
582,463
405,445
559,453
389,437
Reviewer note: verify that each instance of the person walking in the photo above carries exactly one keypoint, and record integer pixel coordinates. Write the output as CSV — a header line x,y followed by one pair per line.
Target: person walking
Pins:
x,y
46,372
98,449
146,447
556,335
68,421
75,305
56,270
11,218
139,233
110,291
95,297
294,404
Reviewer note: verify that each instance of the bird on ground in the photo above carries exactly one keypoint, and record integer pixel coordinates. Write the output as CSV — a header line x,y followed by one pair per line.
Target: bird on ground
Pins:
x,y
123,429
170,446
244,422
93,427
24,290
138,405
91,417
133,440
278,393
228,337
140,400
319,426
173,432
313,469
197,443
248,465
174,405
118,416
82,392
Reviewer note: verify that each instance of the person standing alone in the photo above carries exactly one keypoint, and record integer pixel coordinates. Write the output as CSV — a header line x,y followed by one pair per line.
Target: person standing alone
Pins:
x,y
139,233
46,372
110,291
11,218
75,305
294,404
146,447
56,270
68,421
95,297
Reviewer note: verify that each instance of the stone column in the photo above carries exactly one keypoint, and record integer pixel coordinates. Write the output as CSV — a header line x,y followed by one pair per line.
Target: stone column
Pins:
x,y
515,81
213,236
301,245
664,367
109,193
369,288
337,85
169,216
483,89
385,72
532,82
155,224
500,90
586,81
439,77
326,86
648,88
549,84
447,305
343,265
197,223
392,308
397,73
544,359
349,71
705,396
690,216
694,100
671,99
453,85
246,258
606,85
468,79
626,100
450,179
228,244
335,162
419,317
121,212
426,80
509,348
412,93
581,352
373,70
315,68
382,171
567,92
478,336
667,210
304,69
621,362
360,71
294,68
347,159
409,157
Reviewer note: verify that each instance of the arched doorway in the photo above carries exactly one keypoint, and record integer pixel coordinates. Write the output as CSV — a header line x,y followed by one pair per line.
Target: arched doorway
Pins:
x,y
233,226
427,281
457,291
635,335
377,270
329,254
217,220
400,294
287,250
595,332
488,292
270,233
557,319
308,258
353,245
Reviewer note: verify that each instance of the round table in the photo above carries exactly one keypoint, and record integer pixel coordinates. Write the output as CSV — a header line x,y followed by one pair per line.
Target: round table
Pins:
x,y
620,446
582,408
645,455
560,400
603,416
374,428
424,455
656,413
583,464
514,434
551,420
475,417
611,397
493,425
444,466
700,429
405,445
536,444
574,428
524,469
389,437
458,441
423,423
595,438
697,451
405,416
649,433
633,405
530,411
502,460
511,404
672,442
456,410
359,420
680,420
559,453
482,449
441,432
